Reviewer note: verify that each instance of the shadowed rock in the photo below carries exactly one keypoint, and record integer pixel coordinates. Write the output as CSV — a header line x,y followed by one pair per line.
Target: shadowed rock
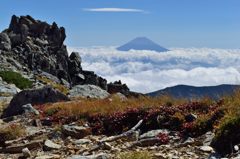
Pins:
x,y
39,96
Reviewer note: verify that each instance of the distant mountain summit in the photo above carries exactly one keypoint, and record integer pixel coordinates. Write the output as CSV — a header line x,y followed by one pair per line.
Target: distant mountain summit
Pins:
x,y
142,43
191,92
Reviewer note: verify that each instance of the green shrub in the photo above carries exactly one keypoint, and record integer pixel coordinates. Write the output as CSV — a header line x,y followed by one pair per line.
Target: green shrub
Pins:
x,y
16,78
227,136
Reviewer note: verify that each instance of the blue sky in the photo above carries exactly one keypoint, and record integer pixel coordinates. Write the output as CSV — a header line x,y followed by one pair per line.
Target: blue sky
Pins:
x,y
171,23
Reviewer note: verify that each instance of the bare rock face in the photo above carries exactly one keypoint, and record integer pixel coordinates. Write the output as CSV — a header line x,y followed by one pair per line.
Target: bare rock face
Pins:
x,y
39,96
35,46
5,43
39,46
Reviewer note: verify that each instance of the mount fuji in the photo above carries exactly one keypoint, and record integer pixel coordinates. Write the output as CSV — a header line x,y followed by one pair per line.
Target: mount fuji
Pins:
x,y
142,43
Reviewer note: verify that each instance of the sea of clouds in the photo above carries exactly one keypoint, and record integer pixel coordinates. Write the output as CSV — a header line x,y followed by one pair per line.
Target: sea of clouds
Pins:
x,y
147,71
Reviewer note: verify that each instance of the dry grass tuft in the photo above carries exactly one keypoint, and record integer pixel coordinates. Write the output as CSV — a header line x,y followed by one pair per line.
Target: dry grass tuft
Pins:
x,y
106,106
55,85
135,155
12,132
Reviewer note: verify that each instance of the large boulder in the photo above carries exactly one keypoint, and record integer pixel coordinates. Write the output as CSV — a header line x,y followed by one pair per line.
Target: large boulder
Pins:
x,y
88,91
39,96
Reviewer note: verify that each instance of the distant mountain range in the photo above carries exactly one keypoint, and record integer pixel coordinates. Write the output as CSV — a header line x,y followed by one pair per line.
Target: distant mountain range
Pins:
x,y
192,92
142,43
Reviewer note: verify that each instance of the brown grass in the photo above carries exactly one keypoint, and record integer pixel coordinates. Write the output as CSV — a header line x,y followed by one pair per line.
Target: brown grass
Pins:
x,y
3,105
12,132
135,155
106,106
55,85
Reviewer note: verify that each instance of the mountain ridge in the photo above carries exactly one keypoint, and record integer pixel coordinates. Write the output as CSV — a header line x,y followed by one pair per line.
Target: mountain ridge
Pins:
x,y
193,92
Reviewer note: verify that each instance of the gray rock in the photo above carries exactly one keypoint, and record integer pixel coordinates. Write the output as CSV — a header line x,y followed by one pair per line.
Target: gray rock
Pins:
x,y
206,149
7,89
49,145
38,96
5,43
82,141
153,133
89,91
28,108
41,42
76,131
49,156
97,156
236,148
26,153
208,138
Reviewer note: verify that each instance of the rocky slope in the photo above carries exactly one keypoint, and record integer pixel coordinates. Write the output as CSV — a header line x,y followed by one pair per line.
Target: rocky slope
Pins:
x,y
30,45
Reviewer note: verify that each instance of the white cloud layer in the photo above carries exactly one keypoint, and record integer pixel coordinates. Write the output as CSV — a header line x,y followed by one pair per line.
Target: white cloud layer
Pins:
x,y
146,71
113,10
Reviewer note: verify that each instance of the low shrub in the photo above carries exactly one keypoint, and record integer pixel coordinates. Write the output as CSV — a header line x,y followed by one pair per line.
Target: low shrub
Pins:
x,y
16,78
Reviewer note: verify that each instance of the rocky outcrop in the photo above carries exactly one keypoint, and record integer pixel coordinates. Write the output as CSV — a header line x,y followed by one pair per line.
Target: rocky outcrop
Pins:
x,y
39,46
35,46
117,86
39,96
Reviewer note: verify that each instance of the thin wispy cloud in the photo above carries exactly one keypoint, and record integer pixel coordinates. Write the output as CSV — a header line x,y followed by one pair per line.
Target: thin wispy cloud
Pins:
x,y
114,10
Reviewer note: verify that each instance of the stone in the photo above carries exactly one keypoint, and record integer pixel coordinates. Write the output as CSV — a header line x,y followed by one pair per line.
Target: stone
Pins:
x,y
74,64
107,146
5,43
49,145
37,96
153,133
96,156
208,138
17,148
76,131
49,156
7,89
188,141
28,108
26,153
236,148
206,149
82,141
88,91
